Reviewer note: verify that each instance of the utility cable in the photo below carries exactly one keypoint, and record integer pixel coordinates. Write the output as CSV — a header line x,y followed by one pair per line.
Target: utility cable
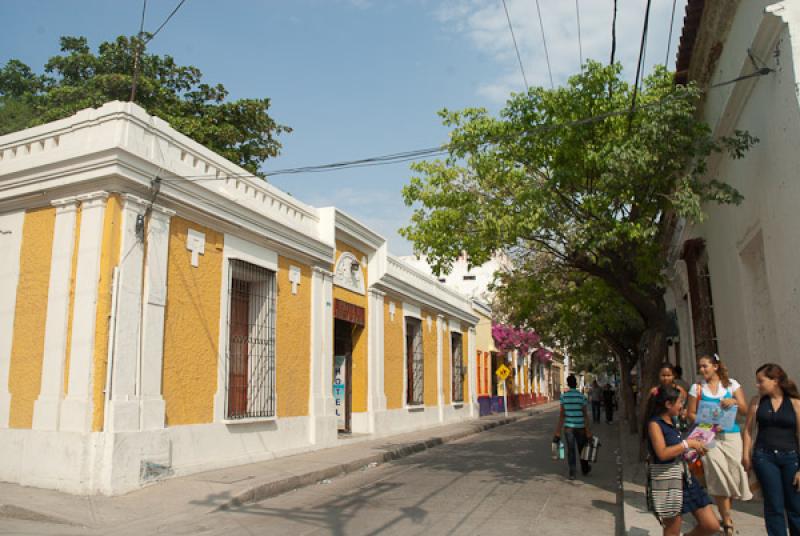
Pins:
x,y
669,38
544,42
639,63
580,44
172,14
516,48
420,154
139,50
613,35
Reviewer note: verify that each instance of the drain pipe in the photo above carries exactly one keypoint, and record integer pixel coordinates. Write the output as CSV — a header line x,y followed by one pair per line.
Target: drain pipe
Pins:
x,y
112,329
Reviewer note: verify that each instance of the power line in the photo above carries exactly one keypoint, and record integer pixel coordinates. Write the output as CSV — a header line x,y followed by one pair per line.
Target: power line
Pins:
x,y
166,20
580,45
139,50
420,154
613,35
544,41
669,38
639,63
516,48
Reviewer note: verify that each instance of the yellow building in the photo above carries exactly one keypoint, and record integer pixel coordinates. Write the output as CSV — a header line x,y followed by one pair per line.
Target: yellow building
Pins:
x,y
154,324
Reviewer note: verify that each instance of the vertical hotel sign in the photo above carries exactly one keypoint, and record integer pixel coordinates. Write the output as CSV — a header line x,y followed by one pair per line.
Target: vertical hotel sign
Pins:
x,y
339,392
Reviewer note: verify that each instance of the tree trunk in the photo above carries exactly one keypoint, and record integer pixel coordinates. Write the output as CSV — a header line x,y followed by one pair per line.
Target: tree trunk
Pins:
x,y
628,396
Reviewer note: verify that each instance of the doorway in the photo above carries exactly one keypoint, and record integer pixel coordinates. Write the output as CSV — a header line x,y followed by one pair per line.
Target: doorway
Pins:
x,y
343,373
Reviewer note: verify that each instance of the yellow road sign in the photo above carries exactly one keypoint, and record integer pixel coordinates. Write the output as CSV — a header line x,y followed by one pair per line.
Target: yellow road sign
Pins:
x,y
502,372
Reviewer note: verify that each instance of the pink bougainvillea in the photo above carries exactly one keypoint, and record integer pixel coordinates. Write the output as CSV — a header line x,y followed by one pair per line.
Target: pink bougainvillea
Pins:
x,y
543,355
508,338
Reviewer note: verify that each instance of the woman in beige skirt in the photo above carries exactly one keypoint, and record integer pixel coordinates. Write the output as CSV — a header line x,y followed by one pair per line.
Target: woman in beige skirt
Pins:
x,y
725,476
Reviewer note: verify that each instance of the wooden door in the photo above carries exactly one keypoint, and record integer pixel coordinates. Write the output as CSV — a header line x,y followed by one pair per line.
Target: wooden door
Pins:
x,y
238,363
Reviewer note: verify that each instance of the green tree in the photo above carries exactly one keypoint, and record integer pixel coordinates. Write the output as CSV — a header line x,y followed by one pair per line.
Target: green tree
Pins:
x,y
240,130
578,312
599,196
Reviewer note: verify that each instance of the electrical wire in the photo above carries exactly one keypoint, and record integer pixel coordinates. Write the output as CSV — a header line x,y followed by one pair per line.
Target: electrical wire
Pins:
x,y
421,154
613,35
639,63
580,44
165,21
544,42
669,38
516,48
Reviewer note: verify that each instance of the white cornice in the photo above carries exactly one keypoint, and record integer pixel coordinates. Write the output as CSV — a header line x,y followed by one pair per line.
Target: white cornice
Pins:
x,y
356,230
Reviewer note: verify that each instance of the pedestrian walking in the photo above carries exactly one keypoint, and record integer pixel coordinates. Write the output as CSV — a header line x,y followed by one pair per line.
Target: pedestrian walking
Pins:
x,y
608,402
774,457
725,477
672,491
575,423
596,397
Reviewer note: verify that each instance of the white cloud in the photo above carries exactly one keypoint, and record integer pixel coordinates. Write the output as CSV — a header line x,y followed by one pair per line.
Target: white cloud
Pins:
x,y
484,24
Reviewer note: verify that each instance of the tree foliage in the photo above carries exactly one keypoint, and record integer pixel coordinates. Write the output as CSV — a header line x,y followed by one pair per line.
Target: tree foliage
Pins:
x,y
240,130
570,178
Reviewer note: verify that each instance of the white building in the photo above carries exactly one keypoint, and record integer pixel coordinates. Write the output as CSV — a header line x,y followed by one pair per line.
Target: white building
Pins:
x,y
473,281
734,279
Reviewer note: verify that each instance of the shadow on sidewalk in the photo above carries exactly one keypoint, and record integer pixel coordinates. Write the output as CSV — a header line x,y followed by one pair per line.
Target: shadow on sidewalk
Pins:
x,y
512,455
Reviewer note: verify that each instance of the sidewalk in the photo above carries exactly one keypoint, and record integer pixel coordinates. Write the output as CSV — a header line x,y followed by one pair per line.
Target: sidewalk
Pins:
x,y
747,516
198,494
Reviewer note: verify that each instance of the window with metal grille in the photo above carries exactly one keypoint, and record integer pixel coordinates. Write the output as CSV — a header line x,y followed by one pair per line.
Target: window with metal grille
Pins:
x,y
458,367
250,357
414,362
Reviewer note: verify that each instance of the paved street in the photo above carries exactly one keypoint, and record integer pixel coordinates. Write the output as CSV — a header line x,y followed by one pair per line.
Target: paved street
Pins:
x,y
499,480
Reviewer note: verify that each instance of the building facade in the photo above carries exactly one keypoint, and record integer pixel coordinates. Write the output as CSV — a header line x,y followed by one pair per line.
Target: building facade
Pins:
x,y
733,284
162,312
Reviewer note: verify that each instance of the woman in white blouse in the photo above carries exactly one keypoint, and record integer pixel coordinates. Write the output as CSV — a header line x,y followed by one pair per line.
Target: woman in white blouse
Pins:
x,y
725,476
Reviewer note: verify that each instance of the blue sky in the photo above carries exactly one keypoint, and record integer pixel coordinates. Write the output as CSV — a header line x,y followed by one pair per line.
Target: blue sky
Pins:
x,y
355,78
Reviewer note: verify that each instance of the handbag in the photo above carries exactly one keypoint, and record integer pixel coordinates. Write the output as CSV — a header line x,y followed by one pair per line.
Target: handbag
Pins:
x,y
664,489
589,450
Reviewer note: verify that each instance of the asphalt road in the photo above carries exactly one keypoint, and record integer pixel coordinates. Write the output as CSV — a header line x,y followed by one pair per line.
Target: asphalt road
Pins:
x,y
501,481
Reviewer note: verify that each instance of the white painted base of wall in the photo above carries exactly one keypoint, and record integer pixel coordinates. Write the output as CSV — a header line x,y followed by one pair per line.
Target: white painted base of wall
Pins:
x,y
112,463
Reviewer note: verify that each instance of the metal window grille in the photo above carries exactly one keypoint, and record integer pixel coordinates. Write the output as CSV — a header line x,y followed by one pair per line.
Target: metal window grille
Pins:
x,y
250,357
457,367
414,362
705,277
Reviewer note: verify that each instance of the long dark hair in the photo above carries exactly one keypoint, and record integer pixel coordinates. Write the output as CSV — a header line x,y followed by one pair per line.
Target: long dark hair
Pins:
x,y
775,372
722,370
657,404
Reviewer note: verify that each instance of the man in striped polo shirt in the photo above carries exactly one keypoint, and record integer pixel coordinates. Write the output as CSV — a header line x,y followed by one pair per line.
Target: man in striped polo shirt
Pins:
x,y
575,422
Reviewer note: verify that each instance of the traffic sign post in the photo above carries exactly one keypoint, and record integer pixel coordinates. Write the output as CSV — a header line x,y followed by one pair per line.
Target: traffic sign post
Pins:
x,y
502,373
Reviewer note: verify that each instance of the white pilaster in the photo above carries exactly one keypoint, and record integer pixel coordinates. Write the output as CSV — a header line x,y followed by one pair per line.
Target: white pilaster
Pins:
x,y
76,408
10,244
155,295
472,372
441,326
376,395
47,405
322,405
123,407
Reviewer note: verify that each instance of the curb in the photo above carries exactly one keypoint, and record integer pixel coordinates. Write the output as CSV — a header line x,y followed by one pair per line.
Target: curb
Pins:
x,y
278,487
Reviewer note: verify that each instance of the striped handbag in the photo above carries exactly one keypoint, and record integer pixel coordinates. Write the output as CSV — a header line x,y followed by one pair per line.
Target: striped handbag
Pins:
x,y
665,489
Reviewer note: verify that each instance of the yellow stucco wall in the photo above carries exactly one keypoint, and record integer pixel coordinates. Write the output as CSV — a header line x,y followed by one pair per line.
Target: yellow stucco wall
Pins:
x,y
27,347
447,360
393,354
72,275
191,326
429,348
109,258
360,364
293,341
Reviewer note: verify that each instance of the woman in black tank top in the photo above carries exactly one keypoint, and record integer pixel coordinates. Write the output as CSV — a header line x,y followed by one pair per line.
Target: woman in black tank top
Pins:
x,y
774,457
